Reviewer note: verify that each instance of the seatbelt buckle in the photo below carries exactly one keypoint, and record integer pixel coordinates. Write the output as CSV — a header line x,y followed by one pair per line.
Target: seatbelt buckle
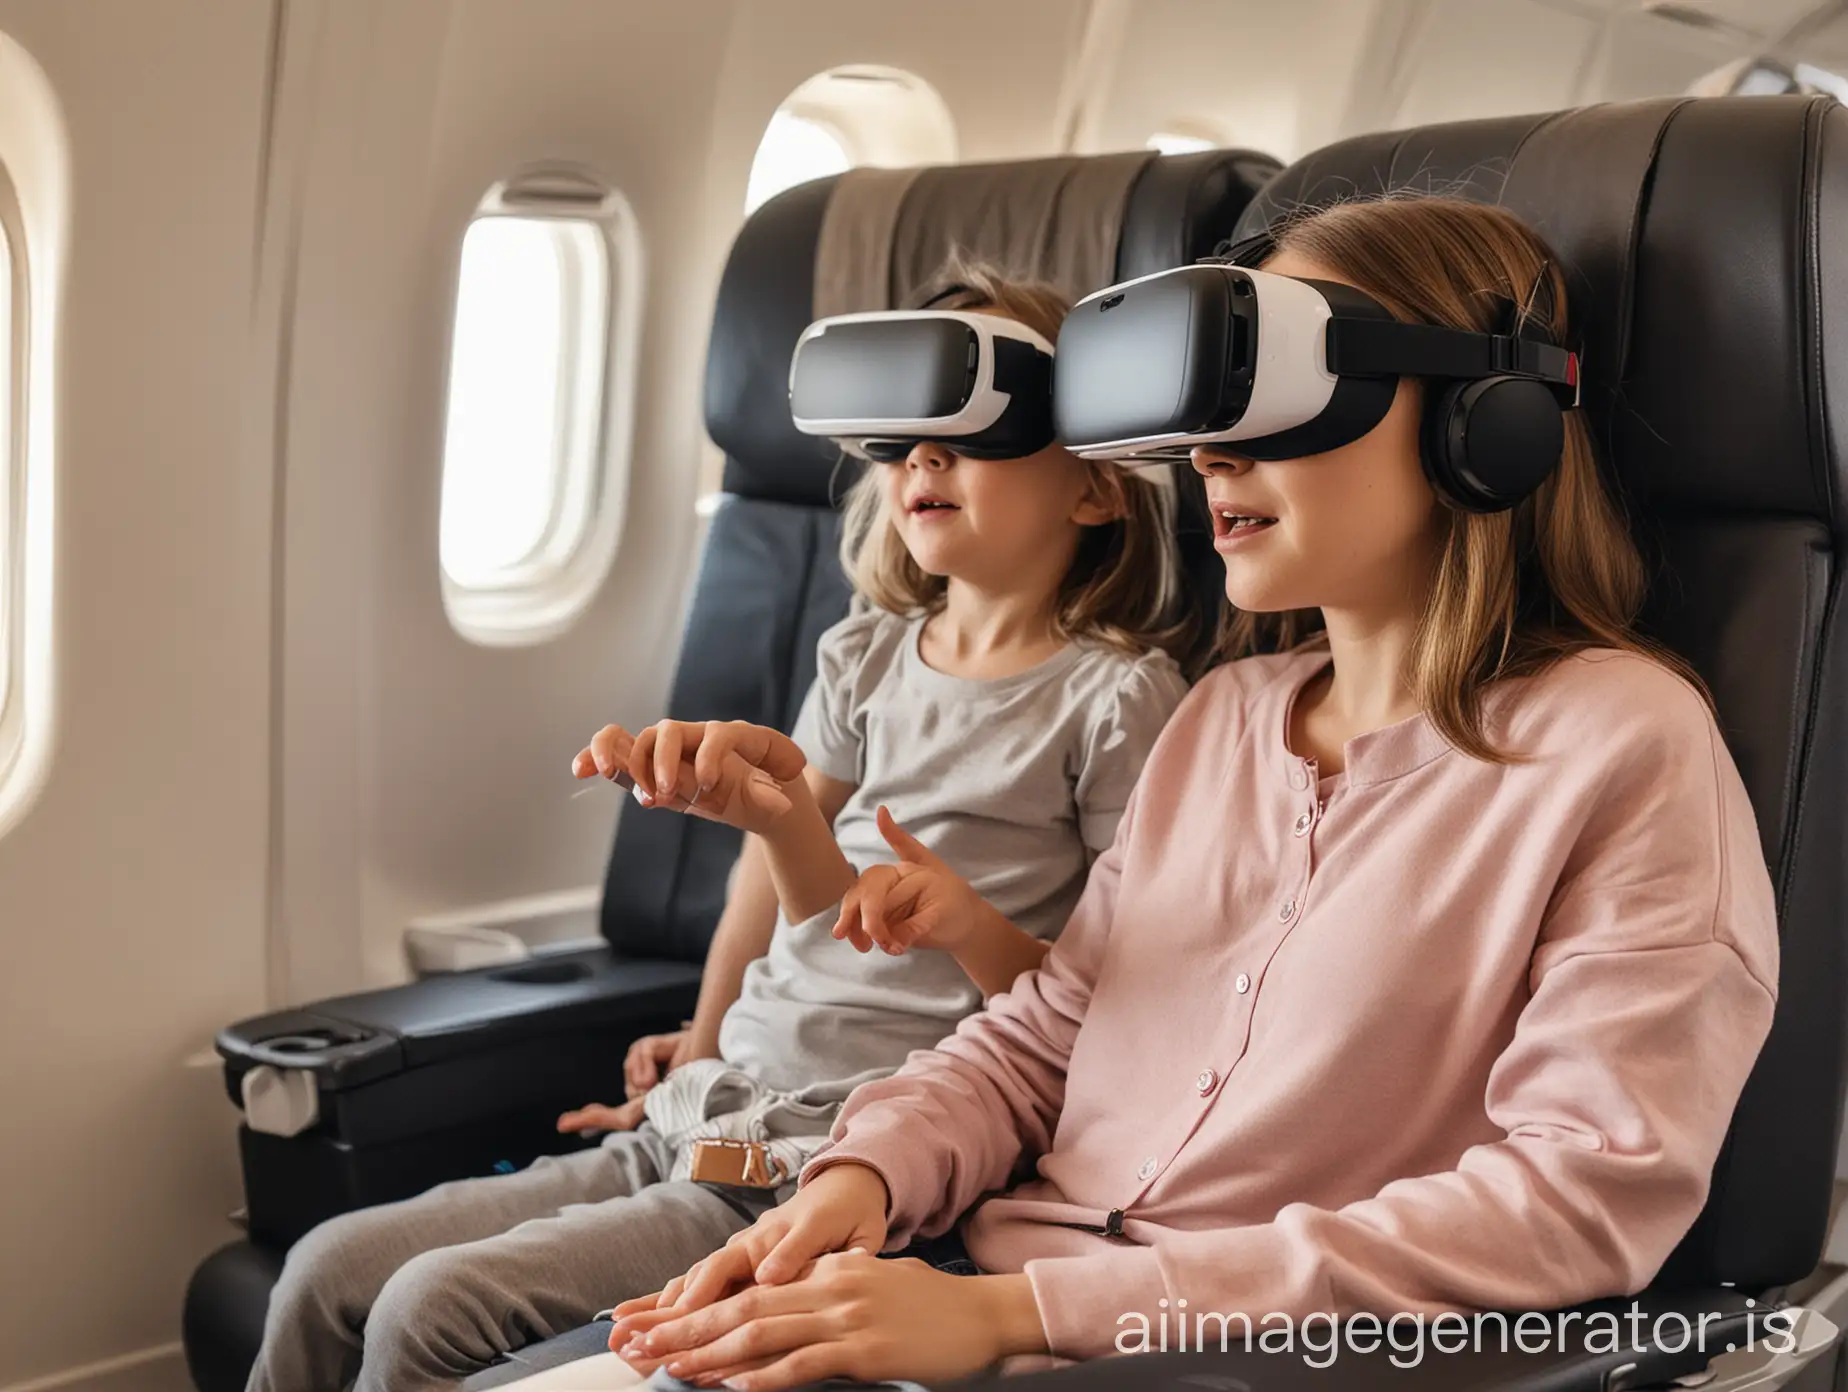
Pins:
x,y
740,1164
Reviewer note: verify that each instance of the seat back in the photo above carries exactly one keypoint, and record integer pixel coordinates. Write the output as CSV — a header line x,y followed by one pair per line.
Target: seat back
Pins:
x,y
1714,320
769,581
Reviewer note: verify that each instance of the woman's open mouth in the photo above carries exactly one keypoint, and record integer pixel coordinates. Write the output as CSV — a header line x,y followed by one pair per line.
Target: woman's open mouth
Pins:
x,y
1232,526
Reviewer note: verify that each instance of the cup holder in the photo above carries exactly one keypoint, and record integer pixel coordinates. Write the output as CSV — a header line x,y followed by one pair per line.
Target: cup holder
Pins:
x,y
544,973
314,1040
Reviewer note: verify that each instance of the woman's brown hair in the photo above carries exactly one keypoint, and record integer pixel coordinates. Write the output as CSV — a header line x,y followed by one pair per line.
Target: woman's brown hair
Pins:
x,y
1121,588
1511,592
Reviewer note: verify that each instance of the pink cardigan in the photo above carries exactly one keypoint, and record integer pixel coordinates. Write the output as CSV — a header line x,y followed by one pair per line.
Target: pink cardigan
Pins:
x,y
1436,1034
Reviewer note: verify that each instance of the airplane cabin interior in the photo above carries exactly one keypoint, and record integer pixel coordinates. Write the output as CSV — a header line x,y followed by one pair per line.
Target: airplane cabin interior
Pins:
x,y
396,394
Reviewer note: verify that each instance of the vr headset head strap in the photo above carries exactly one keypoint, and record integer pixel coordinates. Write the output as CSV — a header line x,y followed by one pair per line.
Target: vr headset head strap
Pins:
x,y
937,297
1389,348
1246,251
1363,347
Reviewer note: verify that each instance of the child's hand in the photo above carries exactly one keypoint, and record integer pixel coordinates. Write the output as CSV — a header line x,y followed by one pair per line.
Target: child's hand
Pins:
x,y
732,772
652,1057
597,1117
920,902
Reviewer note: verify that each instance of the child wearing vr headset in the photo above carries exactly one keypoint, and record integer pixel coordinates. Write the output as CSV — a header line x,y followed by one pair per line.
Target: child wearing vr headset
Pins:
x,y
989,704
1436,944
999,692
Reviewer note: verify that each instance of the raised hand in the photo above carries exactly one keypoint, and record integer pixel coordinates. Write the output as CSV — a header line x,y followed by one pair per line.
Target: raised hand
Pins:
x,y
730,771
919,902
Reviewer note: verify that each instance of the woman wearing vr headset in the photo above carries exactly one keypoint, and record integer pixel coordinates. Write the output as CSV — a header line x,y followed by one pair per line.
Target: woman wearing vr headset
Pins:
x,y
1436,943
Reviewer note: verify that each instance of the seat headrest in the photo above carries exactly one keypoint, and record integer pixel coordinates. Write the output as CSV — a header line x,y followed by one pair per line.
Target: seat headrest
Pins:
x,y
1094,220
1706,346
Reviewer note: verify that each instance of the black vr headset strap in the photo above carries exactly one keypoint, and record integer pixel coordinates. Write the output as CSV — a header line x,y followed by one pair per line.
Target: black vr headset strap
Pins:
x,y
1250,251
956,288
1389,348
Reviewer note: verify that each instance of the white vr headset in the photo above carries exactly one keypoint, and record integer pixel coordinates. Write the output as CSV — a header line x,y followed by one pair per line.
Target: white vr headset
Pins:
x,y
883,382
1276,367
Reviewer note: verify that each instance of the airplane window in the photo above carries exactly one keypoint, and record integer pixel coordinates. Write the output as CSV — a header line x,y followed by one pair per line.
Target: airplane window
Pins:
x,y
794,150
532,470
34,216
1764,77
1176,143
1186,135
8,470
507,456
860,114
1822,80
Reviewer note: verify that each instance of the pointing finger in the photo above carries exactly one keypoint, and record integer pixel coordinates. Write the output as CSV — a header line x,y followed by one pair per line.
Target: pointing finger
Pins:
x,y
904,843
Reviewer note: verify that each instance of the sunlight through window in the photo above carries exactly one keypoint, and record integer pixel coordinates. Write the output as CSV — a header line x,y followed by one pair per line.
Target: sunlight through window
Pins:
x,y
9,464
1176,143
793,151
525,390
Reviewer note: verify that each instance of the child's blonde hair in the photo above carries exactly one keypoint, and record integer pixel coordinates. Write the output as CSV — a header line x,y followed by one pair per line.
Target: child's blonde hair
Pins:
x,y
1122,587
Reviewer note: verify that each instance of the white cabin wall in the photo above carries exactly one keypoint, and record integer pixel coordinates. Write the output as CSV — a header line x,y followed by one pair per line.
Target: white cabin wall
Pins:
x,y
424,771
131,894
1494,58
1288,79
1273,78
1641,55
1467,59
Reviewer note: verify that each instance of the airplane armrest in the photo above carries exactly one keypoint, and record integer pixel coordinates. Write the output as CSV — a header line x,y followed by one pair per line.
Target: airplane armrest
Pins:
x,y
367,1098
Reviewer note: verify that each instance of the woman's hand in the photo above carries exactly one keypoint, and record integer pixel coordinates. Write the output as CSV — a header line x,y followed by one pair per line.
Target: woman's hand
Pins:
x,y
844,1206
732,772
852,1315
919,902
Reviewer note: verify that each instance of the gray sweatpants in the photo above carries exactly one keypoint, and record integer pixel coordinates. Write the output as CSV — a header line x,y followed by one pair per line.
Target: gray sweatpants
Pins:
x,y
415,1296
